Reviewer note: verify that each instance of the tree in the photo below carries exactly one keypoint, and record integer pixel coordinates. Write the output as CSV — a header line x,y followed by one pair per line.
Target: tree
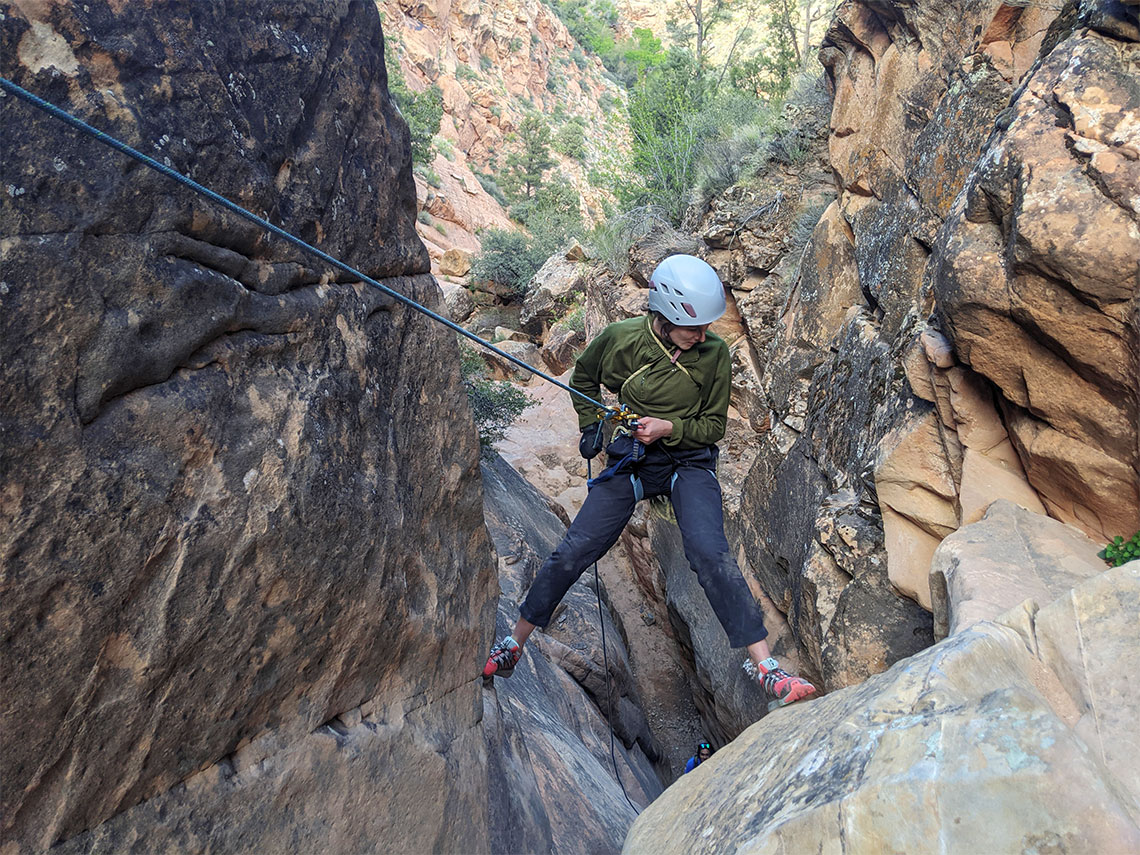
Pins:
x,y
571,139
794,21
525,168
702,16
667,131
422,111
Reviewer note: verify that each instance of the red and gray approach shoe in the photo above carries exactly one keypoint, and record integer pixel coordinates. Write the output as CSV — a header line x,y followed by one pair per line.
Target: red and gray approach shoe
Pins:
x,y
504,656
783,688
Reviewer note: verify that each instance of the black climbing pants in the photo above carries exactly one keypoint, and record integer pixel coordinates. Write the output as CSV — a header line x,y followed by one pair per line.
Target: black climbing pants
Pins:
x,y
688,477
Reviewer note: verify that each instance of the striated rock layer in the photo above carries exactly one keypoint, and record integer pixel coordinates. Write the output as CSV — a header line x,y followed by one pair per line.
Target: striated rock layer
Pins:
x,y
226,517
553,786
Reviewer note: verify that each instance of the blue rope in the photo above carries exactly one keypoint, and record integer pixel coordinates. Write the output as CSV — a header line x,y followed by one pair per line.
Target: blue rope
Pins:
x,y
11,88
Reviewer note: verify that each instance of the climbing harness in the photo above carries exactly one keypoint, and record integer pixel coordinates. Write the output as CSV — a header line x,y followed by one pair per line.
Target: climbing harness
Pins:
x,y
627,422
12,89
621,415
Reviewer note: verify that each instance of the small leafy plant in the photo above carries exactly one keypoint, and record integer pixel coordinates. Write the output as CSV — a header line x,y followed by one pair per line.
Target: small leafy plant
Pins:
x,y
1121,551
495,404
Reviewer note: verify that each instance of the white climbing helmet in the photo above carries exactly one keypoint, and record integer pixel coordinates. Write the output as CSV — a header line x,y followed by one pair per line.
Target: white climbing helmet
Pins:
x,y
686,291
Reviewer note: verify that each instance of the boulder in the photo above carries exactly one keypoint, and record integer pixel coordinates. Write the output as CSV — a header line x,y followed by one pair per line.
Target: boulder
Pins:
x,y
486,318
504,334
457,302
1007,735
556,285
502,369
455,262
1011,555
561,347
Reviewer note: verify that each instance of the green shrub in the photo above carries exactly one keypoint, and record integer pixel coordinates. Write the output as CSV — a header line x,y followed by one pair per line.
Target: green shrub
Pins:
x,y
422,111
571,140
485,62
428,174
506,258
466,72
425,218
574,320
492,188
610,241
1121,551
441,228
495,405
443,146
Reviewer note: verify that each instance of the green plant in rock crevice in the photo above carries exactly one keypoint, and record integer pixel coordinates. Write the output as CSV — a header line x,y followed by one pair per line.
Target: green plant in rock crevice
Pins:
x,y
1120,551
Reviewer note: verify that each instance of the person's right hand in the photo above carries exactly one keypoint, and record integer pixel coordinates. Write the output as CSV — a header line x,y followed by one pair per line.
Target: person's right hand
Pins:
x,y
590,443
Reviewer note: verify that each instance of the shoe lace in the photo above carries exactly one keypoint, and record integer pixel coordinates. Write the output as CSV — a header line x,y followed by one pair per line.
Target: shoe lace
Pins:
x,y
767,680
502,654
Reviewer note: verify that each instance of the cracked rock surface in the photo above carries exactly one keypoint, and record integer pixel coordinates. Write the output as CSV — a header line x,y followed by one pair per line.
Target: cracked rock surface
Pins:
x,y
220,497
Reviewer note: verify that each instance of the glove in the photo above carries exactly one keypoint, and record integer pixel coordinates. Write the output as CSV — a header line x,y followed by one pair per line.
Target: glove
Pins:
x,y
590,443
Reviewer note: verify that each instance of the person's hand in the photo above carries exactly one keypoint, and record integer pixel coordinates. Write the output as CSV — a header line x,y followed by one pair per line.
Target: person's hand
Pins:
x,y
650,430
590,443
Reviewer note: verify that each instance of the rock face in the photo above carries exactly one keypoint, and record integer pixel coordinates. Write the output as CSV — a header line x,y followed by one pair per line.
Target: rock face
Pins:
x,y
495,63
1007,737
1036,277
225,522
554,786
985,569
949,336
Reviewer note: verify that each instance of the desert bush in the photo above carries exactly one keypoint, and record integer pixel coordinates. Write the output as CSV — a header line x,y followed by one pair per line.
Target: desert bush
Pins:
x,y
610,241
492,188
495,404
508,258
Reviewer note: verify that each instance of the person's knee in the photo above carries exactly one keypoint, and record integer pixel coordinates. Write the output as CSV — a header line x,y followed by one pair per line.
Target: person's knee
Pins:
x,y
709,555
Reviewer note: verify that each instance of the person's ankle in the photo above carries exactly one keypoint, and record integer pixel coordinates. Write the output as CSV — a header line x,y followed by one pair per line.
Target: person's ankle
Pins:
x,y
766,665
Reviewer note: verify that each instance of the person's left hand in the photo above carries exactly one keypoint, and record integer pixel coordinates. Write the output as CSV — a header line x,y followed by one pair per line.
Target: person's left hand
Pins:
x,y
650,430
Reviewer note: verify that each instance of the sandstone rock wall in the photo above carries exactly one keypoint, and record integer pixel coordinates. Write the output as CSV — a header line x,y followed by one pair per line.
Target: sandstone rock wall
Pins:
x,y
1036,273
226,518
553,786
953,335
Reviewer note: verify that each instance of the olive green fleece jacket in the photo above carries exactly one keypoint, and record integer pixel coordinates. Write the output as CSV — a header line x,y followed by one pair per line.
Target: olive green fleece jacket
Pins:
x,y
692,394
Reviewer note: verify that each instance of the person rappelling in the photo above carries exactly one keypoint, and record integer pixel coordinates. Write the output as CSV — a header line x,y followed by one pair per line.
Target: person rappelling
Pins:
x,y
668,367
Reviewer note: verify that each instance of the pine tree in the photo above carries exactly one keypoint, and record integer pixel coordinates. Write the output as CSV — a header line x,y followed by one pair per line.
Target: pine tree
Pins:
x,y
526,168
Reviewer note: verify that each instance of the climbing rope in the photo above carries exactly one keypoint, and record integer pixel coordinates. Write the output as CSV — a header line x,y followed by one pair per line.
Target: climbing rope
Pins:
x,y
108,140
619,414
606,665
